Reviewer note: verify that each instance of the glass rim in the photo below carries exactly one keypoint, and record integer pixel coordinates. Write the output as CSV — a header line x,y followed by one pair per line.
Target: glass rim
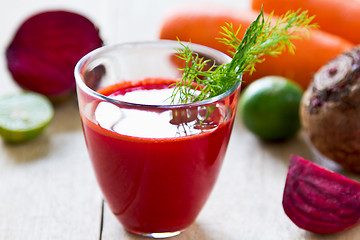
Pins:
x,y
196,47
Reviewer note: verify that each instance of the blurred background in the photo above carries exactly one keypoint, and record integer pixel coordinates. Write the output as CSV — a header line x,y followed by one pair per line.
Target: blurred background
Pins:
x,y
118,20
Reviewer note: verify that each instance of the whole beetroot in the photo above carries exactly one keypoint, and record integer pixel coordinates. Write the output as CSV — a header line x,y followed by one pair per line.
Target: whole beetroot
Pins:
x,y
330,110
45,49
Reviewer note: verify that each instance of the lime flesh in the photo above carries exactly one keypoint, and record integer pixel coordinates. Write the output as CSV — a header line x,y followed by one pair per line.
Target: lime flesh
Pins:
x,y
24,116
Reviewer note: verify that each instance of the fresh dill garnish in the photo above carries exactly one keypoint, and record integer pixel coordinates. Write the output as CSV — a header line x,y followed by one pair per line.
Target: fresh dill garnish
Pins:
x,y
202,79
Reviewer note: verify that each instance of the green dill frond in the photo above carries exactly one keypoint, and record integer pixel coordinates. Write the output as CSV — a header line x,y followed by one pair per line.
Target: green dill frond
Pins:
x,y
263,37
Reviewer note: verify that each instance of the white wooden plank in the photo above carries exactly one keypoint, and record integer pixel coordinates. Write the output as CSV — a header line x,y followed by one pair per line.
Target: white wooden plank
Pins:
x,y
47,187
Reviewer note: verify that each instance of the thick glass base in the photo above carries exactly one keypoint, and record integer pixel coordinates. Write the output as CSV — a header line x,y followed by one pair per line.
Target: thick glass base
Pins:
x,y
157,235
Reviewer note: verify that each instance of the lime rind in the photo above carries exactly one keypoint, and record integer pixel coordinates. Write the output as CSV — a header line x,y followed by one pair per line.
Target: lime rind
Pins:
x,y
269,108
24,116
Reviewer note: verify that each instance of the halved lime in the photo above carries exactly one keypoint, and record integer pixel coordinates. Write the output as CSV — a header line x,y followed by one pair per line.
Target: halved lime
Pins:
x,y
24,116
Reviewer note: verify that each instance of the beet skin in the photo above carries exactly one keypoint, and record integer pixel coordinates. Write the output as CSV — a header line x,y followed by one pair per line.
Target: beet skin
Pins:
x,y
330,110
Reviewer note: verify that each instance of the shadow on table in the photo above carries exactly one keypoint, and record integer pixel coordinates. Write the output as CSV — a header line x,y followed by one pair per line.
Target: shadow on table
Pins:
x,y
193,232
66,117
301,146
350,234
282,150
29,151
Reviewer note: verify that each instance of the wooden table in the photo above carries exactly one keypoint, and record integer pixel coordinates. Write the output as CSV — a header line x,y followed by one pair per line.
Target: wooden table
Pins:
x,y
47,186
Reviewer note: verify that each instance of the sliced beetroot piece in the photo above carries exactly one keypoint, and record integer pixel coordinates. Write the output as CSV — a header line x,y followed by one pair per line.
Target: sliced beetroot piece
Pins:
x,y
45,49
319,200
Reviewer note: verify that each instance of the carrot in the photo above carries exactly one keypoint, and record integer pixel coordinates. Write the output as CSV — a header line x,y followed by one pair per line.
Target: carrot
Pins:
x,y
339,17
202,25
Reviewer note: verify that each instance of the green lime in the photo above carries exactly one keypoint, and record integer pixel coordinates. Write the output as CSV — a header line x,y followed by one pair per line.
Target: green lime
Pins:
x,y
269,108
24,116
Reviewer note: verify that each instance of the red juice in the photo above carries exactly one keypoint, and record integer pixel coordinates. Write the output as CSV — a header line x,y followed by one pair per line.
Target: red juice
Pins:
x,y
157,170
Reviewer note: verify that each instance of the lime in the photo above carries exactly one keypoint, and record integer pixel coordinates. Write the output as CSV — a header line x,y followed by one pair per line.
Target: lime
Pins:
x,y
269,108
24,116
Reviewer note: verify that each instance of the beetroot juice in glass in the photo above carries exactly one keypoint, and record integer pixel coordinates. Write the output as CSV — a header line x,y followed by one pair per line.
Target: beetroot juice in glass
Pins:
x,y
156,162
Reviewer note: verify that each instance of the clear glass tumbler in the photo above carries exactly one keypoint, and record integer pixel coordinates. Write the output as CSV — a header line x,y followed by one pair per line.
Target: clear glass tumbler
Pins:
x,y
156,163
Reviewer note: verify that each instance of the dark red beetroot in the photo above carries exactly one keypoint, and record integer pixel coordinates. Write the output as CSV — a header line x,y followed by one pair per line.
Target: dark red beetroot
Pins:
x,y
319,200
46,48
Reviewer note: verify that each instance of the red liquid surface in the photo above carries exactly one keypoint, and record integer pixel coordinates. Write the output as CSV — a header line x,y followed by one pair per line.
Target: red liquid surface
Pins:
x,y
160,183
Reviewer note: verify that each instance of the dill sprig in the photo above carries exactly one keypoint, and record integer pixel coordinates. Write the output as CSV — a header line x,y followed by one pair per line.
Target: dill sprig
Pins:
x,y
202,79
193,72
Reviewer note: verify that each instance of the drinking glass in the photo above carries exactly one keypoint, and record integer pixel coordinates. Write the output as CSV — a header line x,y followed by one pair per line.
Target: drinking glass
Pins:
x,y
156,163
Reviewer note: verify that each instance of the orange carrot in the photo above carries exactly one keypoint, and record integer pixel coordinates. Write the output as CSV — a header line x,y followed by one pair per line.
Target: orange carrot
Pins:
x,y
202,25
339,17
